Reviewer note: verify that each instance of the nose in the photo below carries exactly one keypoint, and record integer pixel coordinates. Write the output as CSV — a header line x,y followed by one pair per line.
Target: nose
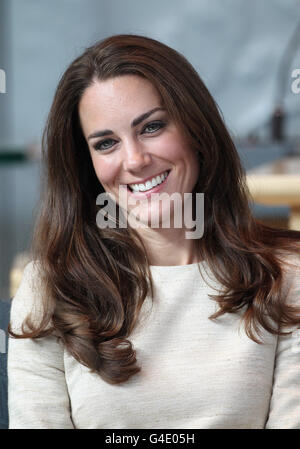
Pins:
x,y
135,156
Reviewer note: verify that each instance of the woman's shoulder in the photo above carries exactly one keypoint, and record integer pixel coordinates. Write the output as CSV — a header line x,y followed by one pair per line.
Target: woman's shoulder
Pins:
x,y
290,264
29,296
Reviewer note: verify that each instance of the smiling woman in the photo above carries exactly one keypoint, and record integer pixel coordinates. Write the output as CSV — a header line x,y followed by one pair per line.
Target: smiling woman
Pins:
x,y
118,327
143,146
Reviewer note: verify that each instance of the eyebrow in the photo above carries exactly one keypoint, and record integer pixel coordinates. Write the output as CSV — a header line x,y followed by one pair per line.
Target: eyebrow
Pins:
x,y
134,123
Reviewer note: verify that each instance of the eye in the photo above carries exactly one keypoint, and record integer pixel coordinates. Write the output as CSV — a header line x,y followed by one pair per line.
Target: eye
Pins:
x,y
153,127
104,144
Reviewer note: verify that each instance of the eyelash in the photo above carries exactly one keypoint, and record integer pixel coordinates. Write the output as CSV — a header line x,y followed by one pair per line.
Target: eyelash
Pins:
x,y
160,124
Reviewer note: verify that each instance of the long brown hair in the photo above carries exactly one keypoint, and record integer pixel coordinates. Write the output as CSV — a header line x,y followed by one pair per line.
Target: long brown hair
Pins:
x,y
96,280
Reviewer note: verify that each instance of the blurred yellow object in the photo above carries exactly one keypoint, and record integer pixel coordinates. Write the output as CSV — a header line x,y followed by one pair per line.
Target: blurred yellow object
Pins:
x,y
279,190
16,272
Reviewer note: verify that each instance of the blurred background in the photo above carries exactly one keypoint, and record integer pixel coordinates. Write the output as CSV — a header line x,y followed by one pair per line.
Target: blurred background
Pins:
x,y
244,51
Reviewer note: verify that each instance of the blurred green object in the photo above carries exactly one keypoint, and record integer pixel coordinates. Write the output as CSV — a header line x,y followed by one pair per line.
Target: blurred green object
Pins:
x,y
9,157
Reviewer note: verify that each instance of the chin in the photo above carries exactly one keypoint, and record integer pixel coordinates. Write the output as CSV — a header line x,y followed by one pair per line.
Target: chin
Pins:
x,y
153,217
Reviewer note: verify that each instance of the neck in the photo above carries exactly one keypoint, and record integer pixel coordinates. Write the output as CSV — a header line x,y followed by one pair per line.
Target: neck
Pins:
x,y
168,247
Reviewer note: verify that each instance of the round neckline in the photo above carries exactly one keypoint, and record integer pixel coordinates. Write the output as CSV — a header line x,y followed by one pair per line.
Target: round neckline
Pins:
x,y
178,273
178,270
176,267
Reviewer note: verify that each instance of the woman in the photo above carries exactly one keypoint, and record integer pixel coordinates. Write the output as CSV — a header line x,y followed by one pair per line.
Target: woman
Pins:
x,y
142,327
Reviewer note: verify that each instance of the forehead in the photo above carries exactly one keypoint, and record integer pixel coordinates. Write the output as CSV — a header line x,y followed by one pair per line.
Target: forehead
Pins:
x,y
126,94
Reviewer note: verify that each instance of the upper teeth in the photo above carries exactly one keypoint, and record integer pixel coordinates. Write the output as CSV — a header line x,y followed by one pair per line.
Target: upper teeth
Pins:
x,y
149,184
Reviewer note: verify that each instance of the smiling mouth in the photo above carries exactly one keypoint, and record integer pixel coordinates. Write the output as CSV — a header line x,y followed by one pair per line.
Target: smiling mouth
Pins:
x,y
150,184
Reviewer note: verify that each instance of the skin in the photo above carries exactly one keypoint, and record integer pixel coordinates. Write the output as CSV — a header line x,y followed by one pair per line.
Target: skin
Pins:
x,y
129,154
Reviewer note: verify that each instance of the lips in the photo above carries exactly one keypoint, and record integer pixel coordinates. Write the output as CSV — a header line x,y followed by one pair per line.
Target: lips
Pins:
x,y
149,185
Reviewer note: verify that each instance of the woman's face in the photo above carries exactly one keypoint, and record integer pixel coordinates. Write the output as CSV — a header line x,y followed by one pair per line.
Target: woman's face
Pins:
x,y
133,142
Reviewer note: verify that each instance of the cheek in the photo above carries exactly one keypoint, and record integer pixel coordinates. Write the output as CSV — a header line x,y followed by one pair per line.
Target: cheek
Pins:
x,y
104,170
177,150
171,149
